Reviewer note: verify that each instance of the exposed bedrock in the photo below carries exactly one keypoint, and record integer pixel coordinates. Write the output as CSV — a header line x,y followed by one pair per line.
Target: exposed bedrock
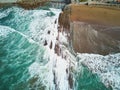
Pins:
x,y
87,37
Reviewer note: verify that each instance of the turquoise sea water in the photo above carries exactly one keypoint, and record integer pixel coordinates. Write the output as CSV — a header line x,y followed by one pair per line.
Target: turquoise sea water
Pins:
x,y
17,51
23,57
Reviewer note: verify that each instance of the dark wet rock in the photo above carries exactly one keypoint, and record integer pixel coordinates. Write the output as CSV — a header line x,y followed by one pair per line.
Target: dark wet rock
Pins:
x,y
57,49
56,38
70,81
64,18
48,32
45,43
51,45
55,21
67,71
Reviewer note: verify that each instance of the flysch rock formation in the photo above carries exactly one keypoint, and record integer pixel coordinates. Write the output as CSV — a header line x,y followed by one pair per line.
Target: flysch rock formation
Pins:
x,y
89,31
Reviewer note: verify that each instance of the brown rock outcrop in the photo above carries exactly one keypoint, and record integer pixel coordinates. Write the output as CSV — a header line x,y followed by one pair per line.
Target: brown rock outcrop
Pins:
x,y
92,29
26,4
85,39
31,4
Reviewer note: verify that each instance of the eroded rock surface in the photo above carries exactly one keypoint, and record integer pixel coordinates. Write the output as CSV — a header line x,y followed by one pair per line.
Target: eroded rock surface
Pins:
x,y
88,34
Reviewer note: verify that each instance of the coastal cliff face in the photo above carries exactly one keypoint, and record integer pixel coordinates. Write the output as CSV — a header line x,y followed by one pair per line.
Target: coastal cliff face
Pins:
x,y
36,51
86,39
89,31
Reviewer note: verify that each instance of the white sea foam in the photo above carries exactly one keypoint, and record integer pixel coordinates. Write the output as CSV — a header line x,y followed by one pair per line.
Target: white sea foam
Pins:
x,y
4,30
53,73
2,15
107,67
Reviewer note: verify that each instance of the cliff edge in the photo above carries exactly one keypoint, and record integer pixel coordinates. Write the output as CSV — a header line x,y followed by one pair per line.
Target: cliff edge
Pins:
x,y
92,29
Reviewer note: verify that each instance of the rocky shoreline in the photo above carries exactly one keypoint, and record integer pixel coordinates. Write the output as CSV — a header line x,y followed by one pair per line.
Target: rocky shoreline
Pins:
x,y
25,5
35,4
91,29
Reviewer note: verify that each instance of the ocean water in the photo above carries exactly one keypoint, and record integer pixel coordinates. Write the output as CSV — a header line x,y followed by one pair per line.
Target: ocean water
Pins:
x,y
28,60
